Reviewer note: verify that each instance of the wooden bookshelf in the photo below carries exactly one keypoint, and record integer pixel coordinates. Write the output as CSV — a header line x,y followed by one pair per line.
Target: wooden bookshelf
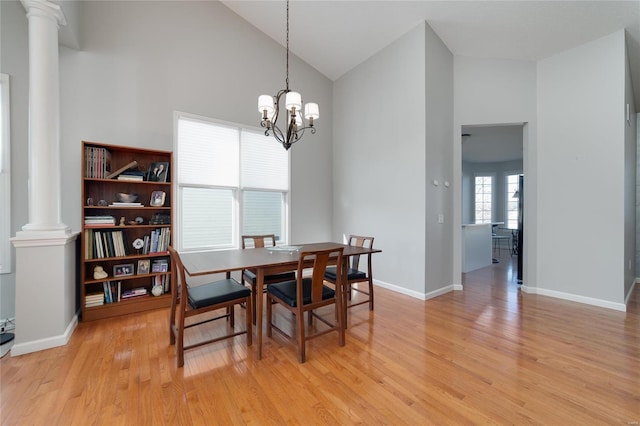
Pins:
x,y
109,243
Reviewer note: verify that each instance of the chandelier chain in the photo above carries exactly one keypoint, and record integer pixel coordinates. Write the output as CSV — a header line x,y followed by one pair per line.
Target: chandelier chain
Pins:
x,y
287,80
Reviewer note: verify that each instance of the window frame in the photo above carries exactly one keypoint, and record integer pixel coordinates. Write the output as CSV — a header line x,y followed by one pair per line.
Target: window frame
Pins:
x,y
508,197
493,196
5,175
237,191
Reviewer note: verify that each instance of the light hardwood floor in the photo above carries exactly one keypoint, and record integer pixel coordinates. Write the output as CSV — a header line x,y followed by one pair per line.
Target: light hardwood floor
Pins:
x,y
487,355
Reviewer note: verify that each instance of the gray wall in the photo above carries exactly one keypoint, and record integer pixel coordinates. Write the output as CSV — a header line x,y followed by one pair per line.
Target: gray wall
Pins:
x,y
14,61
630,171
637,197
139,62
392,135
438,164
581,145
489,92
379,158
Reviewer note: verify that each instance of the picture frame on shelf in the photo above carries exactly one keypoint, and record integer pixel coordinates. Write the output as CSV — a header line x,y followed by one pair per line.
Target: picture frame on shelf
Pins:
x,y
158,171
123,270
143,266
157,198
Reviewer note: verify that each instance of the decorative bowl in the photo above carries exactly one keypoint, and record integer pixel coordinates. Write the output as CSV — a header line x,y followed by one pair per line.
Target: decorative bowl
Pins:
x,y
126,198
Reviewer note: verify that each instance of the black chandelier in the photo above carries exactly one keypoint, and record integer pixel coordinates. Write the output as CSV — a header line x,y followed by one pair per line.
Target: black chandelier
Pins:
x,y
269,107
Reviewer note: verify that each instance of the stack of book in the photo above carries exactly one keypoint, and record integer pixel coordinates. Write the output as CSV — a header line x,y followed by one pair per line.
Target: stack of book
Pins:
x,y
134,292
121,204
99,221
94,299
132,175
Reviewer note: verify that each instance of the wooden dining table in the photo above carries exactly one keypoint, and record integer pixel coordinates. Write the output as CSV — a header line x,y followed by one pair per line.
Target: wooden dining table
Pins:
x,y
265,261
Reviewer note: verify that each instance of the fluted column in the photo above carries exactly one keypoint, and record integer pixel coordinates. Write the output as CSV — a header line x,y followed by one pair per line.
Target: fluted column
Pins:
x,y
44,117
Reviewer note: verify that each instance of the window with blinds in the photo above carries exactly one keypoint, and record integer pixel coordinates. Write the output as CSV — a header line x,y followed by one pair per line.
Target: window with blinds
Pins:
x,y
231,181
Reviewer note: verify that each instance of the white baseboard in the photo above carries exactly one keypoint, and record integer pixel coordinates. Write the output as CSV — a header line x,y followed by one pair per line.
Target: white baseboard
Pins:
x,y
398,289
575,298
416,294
48,343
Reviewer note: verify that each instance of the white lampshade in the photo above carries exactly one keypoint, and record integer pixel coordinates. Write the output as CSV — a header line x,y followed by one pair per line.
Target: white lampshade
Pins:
x,y
265,102
293,100
311,110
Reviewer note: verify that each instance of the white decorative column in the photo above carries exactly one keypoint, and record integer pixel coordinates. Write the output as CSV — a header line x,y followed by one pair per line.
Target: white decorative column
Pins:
x,y
44,116
45,248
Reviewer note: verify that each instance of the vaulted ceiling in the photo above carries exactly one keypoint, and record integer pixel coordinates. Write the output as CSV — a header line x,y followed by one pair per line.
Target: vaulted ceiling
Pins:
x,y
335,36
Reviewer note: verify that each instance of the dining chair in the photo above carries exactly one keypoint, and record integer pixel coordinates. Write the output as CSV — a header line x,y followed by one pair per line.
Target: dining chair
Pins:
x,y
354,274
305,294
197,300
249,275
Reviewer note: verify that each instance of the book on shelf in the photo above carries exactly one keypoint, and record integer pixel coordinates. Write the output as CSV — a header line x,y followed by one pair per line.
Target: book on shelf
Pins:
x,y
111,291
132,175
99,220
157,241
121,204
105,243
134,292
97,162
94,299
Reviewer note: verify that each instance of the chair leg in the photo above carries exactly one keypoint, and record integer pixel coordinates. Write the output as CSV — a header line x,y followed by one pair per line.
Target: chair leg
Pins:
x,y
248,321
269,314
370,293
232,315
301,338
253,302
180,342
172,323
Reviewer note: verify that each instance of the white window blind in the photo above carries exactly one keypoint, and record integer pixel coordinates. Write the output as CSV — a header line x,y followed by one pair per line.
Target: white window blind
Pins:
x,y
263,163
231,182
209,155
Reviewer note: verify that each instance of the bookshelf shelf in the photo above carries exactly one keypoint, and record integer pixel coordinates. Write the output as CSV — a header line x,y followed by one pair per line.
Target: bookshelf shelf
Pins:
x,y
107,247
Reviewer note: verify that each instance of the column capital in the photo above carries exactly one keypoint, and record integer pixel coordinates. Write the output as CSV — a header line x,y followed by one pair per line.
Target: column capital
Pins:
x,y
45,9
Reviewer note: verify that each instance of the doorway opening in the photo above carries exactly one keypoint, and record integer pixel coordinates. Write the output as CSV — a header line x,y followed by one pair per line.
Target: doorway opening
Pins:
x,y
492,191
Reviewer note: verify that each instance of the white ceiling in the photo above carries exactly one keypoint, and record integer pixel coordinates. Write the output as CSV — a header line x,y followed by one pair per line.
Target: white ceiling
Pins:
x,y
487,144
334,36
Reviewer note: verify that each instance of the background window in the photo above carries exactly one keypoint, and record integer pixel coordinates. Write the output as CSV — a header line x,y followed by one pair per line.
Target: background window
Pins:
x,y
512,198
483,199
231,181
